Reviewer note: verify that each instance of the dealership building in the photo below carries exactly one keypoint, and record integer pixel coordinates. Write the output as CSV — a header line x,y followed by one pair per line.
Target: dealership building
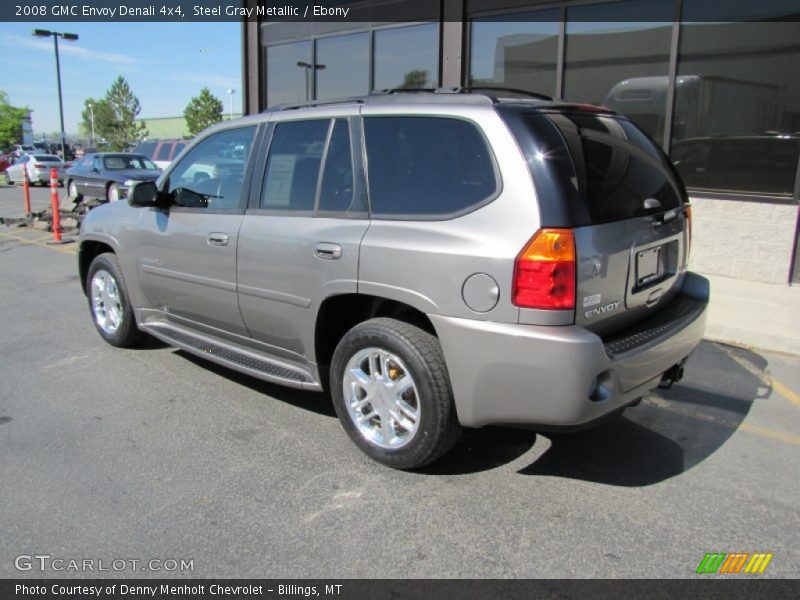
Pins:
x,y
716,84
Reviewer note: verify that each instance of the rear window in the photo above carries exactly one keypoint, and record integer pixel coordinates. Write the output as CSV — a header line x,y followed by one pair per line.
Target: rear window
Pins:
x,y
426,167
601,168
46,158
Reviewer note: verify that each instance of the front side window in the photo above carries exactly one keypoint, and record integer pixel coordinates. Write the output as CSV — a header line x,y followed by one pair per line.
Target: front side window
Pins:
x,y
426,166
211,174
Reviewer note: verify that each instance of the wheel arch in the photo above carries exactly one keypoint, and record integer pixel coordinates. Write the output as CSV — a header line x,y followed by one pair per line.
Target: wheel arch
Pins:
x,y
88,251
339,313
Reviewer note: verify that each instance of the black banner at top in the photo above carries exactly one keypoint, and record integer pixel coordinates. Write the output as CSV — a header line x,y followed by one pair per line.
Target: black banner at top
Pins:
x,y
371,11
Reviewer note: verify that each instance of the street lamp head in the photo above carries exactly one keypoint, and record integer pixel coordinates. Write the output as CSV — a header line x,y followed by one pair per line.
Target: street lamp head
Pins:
x,y
231,91
71,37
42,33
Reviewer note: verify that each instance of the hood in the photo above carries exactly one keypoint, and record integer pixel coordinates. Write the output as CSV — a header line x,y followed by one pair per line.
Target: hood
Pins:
x,y
137,174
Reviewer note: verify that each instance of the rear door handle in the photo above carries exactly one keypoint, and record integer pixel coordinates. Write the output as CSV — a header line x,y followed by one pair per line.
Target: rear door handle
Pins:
x,y
328,251
218,239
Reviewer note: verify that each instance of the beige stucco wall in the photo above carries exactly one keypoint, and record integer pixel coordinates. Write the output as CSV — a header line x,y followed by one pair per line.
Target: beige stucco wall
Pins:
x,y
746,240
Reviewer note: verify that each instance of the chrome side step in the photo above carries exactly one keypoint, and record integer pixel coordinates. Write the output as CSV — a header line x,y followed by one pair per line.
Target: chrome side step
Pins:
x,y
236,358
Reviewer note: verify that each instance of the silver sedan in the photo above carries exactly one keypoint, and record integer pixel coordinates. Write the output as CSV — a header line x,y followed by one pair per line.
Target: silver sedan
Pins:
x,y
38,167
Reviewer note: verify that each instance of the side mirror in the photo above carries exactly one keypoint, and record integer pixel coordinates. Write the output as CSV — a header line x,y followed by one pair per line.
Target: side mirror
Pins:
x,y
143,193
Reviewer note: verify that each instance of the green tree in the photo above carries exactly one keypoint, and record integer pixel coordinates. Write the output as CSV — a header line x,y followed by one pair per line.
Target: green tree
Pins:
x,y
11,119
103,118
416,79
115,117
202,111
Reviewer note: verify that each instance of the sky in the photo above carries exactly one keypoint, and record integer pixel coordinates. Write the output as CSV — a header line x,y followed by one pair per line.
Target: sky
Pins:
x,y
166,64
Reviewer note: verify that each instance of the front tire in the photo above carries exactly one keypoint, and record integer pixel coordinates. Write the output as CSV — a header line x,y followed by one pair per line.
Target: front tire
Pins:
x,y
112,193
109,302
72,192
391,391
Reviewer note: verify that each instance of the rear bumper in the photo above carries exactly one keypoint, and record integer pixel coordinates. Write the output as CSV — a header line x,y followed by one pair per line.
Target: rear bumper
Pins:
x,y
505,373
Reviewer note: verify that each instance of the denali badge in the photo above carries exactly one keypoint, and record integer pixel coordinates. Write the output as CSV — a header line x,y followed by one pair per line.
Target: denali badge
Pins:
x,y
601,309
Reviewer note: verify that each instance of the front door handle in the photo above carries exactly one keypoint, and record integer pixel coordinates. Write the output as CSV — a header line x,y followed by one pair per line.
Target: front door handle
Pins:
x,y
328,251
218,239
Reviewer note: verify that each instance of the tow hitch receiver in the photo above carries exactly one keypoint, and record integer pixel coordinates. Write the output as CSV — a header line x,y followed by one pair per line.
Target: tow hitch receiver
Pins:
x,y
672,375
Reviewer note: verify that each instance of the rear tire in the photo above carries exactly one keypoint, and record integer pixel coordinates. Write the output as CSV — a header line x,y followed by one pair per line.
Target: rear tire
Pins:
x,y
391,391
109,302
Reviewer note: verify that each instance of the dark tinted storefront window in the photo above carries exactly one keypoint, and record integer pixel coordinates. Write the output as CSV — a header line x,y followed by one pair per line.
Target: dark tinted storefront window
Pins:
x,y
407,57
617,55
286,80
519,52
737,100
342,66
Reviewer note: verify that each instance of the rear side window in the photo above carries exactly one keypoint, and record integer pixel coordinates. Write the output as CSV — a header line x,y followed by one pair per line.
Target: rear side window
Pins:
x,y
295,155
146,148
602,168
426,166
163,152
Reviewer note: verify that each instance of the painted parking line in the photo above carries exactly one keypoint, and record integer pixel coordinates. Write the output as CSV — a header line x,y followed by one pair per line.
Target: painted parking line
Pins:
x,y
781,388
68,249
765,432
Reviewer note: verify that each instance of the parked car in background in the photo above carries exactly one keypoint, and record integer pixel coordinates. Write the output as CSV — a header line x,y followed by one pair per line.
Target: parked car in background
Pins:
x,y
20,149
104,175
161,152
38,167
6,160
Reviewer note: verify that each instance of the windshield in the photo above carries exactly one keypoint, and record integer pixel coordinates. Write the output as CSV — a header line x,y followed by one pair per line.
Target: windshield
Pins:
x,y
117,162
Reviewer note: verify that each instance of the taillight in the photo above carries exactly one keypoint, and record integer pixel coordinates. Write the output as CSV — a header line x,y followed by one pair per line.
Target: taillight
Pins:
x,y
544,272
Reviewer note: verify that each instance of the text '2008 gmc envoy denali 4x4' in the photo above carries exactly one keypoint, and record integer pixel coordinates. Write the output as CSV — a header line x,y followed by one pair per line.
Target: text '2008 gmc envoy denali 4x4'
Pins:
x,y
432,259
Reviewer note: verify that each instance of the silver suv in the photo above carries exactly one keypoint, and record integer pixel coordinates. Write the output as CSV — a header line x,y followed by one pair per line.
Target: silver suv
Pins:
x,y
434,260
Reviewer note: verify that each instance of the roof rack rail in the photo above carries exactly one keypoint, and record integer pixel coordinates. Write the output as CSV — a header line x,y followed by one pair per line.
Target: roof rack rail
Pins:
x,y
492,88
311,103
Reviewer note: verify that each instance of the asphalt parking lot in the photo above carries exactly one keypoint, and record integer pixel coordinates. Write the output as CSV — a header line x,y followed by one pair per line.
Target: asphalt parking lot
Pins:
x,y
154,454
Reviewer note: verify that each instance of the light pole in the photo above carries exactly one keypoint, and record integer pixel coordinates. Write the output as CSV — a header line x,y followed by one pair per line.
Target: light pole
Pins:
x,y
309,68
231,92
70,37
91,116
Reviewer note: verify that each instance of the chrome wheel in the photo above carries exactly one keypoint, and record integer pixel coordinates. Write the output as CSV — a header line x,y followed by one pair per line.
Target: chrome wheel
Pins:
x,y
113,193
72,190
381,398
106,302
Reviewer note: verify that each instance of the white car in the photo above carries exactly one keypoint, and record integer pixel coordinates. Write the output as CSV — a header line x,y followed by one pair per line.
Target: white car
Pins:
x,y
38,167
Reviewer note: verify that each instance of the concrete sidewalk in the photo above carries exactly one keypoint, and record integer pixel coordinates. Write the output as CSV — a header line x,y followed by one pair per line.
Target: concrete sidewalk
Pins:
x,y
761,315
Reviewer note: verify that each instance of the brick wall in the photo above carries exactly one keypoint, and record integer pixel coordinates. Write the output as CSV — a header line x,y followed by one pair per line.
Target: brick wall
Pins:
x,y
745,240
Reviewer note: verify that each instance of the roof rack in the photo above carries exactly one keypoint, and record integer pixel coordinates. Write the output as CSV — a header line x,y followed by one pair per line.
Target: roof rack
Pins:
x,y
487,94
310,103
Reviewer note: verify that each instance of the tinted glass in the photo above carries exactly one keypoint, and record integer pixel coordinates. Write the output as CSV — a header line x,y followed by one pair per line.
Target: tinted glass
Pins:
x,y
616,167
46,158
617,55
520,54
407,57
336,193
146,148
293,165
423,166
163,152
288,73
211,174
737,99
342,66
